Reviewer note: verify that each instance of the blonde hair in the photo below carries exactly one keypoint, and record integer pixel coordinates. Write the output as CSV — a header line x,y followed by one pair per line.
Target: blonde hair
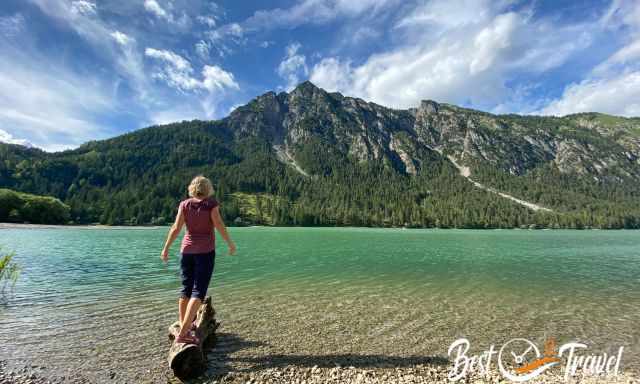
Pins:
x,y
200,187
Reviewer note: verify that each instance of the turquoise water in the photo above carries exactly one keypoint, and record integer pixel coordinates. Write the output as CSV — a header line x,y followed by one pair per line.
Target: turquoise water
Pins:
x,y
97,300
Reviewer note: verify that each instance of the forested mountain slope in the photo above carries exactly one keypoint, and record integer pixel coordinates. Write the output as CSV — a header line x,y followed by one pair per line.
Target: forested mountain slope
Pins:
x,y
310,157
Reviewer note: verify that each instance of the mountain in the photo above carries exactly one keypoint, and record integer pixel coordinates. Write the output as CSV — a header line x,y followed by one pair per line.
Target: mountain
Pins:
x,y
310,157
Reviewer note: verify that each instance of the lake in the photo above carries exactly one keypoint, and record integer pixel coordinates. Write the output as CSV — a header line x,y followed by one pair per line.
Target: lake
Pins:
x,y
99,300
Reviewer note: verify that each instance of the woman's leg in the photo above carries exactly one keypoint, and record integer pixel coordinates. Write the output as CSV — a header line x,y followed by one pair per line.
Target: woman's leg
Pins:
x,y
187,268
190,315
182,307
202,276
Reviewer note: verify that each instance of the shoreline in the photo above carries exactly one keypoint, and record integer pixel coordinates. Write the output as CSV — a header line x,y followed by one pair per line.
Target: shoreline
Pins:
x,y
146,227
78,226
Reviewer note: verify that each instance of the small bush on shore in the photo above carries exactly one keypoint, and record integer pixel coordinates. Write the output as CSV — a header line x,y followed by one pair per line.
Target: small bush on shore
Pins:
x,y
9,272
18,207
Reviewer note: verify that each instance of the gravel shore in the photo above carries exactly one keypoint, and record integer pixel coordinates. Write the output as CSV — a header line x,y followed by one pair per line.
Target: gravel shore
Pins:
x,y
412,375
296,353
37,374
417,374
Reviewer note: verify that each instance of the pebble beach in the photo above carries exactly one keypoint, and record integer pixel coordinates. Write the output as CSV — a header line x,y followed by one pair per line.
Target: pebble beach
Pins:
x,y
418,374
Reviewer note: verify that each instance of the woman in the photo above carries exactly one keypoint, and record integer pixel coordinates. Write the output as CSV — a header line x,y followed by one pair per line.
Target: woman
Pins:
x,y
201,215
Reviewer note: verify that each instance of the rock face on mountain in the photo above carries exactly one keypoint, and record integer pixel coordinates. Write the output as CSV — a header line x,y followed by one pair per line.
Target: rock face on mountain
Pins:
x,y
311,157
592,144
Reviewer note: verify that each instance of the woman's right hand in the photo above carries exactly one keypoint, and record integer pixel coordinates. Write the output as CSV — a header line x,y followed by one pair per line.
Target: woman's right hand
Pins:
x,y
232,248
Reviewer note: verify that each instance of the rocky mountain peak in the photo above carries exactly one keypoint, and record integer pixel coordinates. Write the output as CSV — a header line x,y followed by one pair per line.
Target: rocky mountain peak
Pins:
x,y
429,106
307,85
593,145
306,89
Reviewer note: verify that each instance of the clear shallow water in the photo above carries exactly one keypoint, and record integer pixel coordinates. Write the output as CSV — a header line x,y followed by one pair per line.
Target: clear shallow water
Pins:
x,y
100,300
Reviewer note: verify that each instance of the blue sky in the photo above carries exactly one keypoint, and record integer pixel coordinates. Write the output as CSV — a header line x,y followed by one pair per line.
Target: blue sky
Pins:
x,y
79,70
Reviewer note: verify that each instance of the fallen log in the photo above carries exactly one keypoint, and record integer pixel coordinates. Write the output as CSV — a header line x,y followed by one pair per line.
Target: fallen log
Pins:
x,y
189,360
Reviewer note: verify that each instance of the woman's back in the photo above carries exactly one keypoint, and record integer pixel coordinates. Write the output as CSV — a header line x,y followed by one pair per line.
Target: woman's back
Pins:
x,y
199,237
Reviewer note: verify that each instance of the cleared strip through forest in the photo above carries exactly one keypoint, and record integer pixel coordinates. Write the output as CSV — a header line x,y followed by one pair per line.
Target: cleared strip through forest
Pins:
x,y
466,173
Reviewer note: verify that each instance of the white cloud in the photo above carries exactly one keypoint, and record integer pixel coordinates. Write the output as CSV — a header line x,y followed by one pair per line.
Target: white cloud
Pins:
x,y
293,66
626,54
202,49
617,95
217,82
166,13
454,54
217,79
122,38
364,35
77,105
51,106
303,12
129,61
492,39
82,7
153,7
12,26
177,72
613,86
172,115
621,59
266,44
622,13
230,31
314,12
172,58
224,37
450,14
332,74
126,59
209,21
235,30
6,137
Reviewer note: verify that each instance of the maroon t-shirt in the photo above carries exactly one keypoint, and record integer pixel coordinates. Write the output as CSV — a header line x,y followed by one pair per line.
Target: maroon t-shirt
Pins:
x,y
199,237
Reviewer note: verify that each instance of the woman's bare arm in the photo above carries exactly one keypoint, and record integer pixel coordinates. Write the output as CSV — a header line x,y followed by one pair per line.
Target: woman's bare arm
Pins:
x,y
174,231
219,225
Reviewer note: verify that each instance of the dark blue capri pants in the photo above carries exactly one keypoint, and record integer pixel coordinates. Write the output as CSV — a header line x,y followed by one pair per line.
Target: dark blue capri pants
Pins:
x,y
196,269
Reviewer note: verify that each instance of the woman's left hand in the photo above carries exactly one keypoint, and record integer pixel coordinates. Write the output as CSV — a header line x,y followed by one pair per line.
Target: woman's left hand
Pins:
x,y
164,255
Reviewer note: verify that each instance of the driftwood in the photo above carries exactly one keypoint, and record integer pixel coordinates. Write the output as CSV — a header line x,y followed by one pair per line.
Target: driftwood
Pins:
x,y
189,360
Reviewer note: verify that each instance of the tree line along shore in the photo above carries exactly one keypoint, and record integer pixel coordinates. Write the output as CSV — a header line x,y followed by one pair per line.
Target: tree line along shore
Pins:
x,y
243,209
